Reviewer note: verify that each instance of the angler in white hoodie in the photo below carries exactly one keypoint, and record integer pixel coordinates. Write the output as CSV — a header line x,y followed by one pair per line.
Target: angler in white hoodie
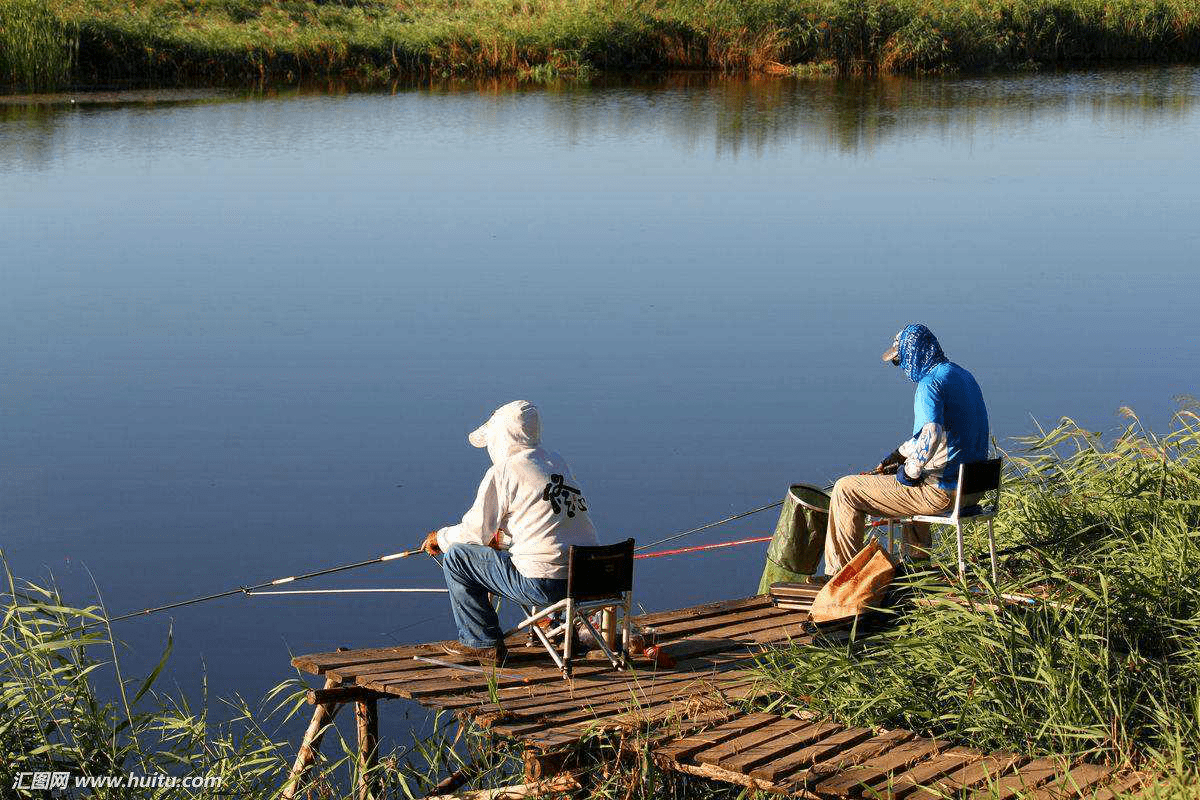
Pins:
x,y
530,495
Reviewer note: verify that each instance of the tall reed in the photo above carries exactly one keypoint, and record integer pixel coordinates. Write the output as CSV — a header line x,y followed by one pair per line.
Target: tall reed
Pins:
x,y
372,40
1107,666
37,49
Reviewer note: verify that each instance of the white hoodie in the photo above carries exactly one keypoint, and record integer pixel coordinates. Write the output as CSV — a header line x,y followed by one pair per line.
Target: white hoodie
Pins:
x,y
529,492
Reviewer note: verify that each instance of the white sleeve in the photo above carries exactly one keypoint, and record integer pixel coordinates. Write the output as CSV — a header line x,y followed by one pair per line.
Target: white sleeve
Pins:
x,y
482,519
918,449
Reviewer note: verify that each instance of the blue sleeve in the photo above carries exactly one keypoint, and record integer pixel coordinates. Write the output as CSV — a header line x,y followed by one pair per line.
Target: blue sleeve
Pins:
x,y
927,405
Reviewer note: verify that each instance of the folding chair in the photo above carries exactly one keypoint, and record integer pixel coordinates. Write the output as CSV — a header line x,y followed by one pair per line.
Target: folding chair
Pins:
x,y
598,579
974,481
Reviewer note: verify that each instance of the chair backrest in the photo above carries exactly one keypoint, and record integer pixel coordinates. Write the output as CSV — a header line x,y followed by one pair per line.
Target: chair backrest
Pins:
x,y
976,479
604,571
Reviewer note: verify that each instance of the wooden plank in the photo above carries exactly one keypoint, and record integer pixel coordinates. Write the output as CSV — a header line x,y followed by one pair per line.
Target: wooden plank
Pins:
x,y
859,753
718,693
690,628
848,760
795,589
788,605
450,683
652,712
682,727
670,693
740,725
720,753
802,734
338,694
989,768
703,610
1030,776
911,780
1073,784
626,713
779,769
711,773
877,770
535,686
625,692
1120,786
578,691
319,662
767,630
432,683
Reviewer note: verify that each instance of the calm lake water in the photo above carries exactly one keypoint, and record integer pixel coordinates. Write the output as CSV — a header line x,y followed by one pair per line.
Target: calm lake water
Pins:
x,y
242,337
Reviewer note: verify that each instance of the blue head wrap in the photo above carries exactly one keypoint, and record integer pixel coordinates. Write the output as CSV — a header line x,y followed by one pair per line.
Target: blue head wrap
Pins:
x,y
919,351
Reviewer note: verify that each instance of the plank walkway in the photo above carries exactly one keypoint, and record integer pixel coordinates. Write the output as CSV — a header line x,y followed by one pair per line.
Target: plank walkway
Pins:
x,y
692,727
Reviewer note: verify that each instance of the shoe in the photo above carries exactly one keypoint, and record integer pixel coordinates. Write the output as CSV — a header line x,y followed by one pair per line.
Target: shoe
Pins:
x,y
493,656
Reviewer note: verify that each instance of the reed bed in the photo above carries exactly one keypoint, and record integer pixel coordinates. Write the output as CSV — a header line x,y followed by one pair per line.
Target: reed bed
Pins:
x,y
382,40
1106,668
37,46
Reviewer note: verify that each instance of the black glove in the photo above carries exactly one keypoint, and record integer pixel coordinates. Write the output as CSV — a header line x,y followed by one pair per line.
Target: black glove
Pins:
x,y
889,464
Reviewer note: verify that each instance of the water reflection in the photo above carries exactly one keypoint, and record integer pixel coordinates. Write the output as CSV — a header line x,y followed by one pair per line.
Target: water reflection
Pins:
x,y
697,111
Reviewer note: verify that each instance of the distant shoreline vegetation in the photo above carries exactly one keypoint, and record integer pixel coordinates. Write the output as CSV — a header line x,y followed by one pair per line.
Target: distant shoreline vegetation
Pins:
x,y
48,44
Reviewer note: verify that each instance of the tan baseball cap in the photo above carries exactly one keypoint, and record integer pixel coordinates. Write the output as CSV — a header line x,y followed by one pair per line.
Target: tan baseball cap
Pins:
x,y
892,354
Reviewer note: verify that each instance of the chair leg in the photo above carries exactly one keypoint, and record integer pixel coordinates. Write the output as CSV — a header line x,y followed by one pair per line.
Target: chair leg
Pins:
x,y
992,553
625,630
962,562
568,637
891,536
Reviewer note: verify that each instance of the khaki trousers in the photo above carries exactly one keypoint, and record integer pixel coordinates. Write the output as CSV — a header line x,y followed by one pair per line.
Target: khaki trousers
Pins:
x,y
855,496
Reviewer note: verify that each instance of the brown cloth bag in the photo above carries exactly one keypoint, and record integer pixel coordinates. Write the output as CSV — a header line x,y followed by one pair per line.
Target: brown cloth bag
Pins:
x,y
860,584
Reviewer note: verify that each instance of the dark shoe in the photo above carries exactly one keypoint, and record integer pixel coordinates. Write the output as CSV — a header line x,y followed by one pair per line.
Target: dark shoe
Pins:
x,y
487,656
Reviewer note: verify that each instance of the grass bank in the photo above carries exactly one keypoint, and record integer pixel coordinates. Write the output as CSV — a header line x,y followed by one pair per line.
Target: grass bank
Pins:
x,y
381,40
1107,671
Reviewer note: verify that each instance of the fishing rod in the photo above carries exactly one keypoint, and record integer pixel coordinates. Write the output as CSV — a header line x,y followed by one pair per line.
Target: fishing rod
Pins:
x,y
702,547
257,589
734,518
744,514
344,591
249,590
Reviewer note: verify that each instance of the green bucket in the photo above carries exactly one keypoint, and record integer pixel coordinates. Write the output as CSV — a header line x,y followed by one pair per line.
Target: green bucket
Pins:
x,y
799,540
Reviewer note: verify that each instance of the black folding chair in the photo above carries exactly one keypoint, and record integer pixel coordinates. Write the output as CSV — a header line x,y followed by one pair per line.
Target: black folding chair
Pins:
x,y
598,579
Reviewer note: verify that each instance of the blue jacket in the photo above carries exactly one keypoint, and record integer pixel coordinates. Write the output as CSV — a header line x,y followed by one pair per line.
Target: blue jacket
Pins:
x,y
950,420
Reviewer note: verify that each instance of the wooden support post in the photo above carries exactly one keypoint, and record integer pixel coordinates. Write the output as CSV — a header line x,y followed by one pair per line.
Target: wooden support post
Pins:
x,y
541,766
309,746
339,694
366,715
608,629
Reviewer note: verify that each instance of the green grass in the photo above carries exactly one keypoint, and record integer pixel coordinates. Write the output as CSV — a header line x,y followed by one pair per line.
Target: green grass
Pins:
x,y
37,47
1109,670
382,40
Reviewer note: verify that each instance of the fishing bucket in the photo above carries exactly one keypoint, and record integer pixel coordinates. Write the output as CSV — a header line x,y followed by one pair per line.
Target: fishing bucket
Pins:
x,y
799,539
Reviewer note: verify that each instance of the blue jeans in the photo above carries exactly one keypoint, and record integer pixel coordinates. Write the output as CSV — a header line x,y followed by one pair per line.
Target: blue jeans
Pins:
x,y
473,570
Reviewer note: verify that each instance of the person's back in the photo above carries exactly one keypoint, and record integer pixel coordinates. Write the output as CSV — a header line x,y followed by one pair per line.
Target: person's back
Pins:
x,y
949,395
547,512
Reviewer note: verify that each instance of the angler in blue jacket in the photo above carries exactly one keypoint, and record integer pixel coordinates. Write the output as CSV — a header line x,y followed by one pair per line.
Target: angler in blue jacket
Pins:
x,y
950,428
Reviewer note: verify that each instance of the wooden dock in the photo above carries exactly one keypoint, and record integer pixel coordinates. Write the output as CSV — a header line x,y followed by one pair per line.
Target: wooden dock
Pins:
x,y
686,714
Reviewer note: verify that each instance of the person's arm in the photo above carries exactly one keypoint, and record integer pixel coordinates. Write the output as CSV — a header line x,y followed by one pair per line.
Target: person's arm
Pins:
x,y
482,519
916,452
927,414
